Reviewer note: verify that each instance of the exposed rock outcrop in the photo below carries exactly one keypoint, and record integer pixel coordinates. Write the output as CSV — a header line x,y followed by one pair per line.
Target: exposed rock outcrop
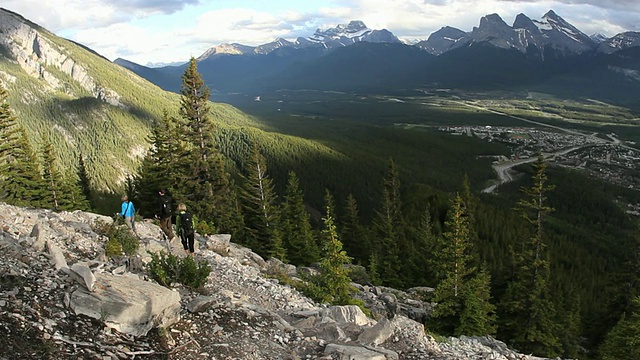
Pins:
x,y
35,53
76,304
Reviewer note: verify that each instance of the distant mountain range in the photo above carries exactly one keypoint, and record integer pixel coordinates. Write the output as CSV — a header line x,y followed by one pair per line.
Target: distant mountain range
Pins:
x,y
548,55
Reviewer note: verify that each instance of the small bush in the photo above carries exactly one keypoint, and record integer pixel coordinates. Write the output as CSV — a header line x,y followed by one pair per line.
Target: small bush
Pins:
x,y
121,239
204,228
113,248
167,269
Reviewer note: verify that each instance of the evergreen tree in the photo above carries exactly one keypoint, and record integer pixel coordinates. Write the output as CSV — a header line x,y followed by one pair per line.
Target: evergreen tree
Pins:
x,y
261,209
389,231
62,193
353,233
20,181
162,168
571,324
207,187
425,249
51,176
84,183
623,341
478,313
529,315
470,205
334,277
452,267
297,234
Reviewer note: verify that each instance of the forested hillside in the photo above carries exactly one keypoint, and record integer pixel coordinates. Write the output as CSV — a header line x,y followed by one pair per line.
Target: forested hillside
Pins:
x,y
554,250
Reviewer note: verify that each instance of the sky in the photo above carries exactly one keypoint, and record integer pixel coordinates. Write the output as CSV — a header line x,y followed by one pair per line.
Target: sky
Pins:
x,y
165,31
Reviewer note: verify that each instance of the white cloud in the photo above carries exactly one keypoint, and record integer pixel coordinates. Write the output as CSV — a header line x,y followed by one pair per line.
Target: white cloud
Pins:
x,y
172,30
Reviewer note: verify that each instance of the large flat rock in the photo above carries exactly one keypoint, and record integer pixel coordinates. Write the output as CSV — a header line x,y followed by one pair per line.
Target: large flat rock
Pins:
x,y
127,304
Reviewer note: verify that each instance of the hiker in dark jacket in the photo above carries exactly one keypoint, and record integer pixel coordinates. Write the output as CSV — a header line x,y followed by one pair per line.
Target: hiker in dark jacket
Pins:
x,y
185,223
128,211
165,215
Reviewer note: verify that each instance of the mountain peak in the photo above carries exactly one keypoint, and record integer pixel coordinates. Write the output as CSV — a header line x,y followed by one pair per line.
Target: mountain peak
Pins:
x,y
492,19
551,15
354,28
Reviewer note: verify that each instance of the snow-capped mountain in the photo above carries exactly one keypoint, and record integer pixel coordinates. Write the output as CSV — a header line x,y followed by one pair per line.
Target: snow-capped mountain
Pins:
x,y
598,38
619,42
341,35
527,35
355,31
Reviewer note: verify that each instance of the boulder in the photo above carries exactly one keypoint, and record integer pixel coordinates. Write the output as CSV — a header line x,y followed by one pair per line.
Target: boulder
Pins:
x,y
219,243
346,314
128,305
346,352
57,257
84,275
377,334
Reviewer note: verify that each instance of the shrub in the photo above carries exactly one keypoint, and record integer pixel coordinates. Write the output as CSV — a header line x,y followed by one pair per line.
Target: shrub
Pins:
x,y
120,238
167,269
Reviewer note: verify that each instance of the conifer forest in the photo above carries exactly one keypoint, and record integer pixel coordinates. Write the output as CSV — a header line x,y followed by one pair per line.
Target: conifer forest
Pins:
x,y
550,264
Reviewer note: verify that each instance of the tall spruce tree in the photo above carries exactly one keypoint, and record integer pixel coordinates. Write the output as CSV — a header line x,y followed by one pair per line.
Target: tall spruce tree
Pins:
x,y
452,267
162,168
261,213
389,231
84,182
477,317
297,233
63,192
353,233
20,181
51,176
529,320
207,186
426,242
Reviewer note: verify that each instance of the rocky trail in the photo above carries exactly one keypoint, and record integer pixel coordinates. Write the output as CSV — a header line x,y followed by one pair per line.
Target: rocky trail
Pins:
x,y
61,298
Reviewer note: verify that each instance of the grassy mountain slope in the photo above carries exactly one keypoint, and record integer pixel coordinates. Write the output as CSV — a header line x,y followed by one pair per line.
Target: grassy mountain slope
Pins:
x,y
87,105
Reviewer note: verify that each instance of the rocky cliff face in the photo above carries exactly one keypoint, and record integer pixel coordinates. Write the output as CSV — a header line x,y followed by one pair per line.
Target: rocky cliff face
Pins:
x,y
31,47
61,299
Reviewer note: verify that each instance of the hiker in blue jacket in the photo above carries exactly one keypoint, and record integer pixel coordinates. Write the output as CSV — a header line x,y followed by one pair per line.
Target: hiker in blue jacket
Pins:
x,y
129,212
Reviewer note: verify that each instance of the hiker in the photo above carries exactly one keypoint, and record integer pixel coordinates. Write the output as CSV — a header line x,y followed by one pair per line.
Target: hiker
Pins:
x,y
128,211
185,225
165,215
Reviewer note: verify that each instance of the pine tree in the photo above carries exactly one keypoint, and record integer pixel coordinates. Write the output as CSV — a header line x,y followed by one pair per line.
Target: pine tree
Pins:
x,y
389,231
297,234
353,234
51,176
84,185
470,204
425,249
63,193
452,267
261,211
623,341
208,186
162,168
478,313
334,277
20,181
529,314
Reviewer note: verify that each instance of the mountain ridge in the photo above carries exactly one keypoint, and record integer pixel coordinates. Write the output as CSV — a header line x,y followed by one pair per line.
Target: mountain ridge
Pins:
x,y
552,48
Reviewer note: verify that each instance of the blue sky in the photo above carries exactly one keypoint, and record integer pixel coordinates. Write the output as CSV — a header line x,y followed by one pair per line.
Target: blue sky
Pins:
x,y
152,31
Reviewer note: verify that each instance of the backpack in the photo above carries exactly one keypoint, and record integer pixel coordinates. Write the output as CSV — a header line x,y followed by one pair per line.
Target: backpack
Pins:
x,y
186,224
166,205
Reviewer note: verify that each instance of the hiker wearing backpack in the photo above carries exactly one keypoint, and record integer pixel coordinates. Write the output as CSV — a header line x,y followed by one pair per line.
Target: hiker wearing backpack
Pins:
x,y
185,225
128,211
165,215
